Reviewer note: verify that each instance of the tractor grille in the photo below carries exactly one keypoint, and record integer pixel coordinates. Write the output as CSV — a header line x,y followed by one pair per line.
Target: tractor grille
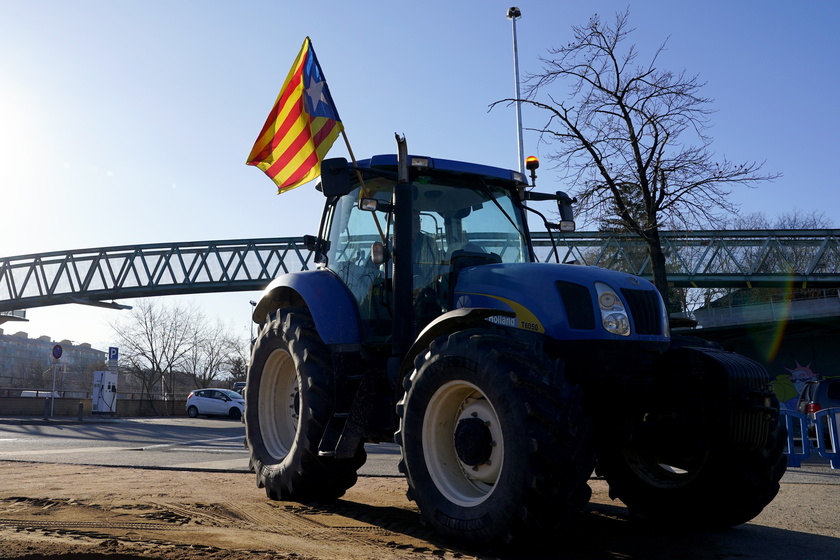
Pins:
x,y
578,303
644,308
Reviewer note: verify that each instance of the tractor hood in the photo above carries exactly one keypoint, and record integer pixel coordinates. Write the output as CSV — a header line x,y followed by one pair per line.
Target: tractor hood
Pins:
x,y
566,302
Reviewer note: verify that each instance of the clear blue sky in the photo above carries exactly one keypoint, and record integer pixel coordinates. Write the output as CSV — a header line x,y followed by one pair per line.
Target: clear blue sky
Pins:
x,y
128,122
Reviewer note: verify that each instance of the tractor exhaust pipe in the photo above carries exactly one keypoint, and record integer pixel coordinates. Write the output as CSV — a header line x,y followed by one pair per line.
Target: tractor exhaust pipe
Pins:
x,y
402,329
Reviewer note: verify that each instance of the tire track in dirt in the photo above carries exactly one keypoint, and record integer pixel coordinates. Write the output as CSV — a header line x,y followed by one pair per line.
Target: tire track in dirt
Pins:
x,y
26,511
168,518
322,522
126,523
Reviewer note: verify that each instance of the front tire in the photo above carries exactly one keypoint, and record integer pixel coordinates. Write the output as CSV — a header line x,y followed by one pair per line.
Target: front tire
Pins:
x,y
494,443
692,484
288,404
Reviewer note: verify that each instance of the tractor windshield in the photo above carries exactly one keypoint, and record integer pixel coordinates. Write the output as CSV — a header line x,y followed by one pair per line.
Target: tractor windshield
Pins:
x,y
450,218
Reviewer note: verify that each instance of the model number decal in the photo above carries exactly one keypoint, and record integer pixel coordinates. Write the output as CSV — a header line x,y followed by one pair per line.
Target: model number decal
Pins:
x,y
529,326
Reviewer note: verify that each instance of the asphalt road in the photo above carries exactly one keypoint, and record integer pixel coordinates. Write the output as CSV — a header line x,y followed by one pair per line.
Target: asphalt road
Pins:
x,y
200,444
173,443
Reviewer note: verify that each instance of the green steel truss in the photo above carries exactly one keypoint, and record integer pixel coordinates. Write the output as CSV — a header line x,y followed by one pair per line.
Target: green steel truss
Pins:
x,y
765,258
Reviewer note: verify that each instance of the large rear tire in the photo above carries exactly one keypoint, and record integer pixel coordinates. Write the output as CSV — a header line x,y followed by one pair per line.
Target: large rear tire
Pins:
x,y
284,424
494,442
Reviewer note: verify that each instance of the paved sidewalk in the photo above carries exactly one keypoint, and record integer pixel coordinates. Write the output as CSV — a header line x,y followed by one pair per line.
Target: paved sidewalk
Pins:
x,y
90,419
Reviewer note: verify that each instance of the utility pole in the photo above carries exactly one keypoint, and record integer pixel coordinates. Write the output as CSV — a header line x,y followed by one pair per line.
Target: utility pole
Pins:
x,y
514,14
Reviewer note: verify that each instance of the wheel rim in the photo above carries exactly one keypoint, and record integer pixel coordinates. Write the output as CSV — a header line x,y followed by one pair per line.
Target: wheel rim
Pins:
x,y
459,404
279,404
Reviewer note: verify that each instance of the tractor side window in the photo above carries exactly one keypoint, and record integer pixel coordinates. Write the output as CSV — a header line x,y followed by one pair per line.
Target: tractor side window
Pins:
x,y
426,248
352,233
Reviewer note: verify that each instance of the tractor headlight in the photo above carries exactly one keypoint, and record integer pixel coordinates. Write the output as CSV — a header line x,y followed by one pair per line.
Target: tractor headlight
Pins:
x,y
617,323
613,315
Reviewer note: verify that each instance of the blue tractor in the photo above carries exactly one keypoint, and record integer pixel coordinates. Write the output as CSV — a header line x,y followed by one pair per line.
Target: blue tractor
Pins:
x,y
506,381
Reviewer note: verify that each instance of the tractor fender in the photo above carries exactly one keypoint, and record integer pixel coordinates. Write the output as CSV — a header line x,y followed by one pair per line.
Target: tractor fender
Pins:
x,y
452,321
739,404
329,301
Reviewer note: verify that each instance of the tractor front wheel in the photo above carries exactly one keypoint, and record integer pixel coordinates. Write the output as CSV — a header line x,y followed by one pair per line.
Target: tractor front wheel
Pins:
x,y
494,442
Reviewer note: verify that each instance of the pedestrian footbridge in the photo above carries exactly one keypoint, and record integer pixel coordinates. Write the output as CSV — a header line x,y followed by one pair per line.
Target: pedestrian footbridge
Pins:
x,y
762,258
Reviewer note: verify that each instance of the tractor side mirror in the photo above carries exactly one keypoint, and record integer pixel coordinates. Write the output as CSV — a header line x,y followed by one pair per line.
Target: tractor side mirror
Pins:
x,y
564,207
335,177
375,205
318,246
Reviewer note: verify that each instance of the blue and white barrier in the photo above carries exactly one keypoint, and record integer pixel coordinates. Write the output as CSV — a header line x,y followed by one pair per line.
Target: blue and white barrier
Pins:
x,y
825,427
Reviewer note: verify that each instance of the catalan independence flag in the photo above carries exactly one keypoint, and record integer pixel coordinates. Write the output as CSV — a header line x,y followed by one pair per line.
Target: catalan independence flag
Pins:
x,y
301,128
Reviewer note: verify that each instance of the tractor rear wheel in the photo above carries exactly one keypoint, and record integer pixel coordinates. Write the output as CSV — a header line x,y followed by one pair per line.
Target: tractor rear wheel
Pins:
x,y
494,442
287,406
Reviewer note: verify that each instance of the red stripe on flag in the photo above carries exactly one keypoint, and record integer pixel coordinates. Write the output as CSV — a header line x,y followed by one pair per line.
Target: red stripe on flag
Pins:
x,y
293,83
271,121
294,148
324,133
288,123
303,169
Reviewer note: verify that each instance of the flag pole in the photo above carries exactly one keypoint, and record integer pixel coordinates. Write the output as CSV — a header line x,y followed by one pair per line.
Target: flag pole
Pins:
x,y
362,182
353,159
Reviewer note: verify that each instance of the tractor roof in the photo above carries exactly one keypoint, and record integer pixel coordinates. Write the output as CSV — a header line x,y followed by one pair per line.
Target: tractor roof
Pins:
x,y
389,161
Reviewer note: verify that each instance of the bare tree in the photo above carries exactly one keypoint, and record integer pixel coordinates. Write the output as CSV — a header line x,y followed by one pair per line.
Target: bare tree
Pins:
x,y
154,340
632,138
239,363
212,353
174,347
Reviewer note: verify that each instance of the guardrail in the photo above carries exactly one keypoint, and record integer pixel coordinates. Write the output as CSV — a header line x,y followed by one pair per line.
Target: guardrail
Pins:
x,y
802,440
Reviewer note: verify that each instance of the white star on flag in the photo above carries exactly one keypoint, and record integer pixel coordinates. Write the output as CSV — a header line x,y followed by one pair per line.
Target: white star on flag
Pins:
x,y
315,93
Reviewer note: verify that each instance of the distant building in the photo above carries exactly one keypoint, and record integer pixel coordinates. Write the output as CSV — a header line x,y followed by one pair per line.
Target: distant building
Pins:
x,y
28,363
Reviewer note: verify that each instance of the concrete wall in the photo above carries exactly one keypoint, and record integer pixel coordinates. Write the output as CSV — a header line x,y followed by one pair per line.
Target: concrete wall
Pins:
x,y
28,406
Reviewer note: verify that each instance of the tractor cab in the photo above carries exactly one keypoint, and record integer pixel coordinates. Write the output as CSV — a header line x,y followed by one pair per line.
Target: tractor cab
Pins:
x,y
461,215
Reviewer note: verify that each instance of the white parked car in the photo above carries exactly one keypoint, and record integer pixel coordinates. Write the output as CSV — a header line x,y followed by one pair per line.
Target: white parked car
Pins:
x,y
215,402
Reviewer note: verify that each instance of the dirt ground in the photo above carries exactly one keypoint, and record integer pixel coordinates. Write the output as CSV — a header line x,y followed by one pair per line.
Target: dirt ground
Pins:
x,y
74,512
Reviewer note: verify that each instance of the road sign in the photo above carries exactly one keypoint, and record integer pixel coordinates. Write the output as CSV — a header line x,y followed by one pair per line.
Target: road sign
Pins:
x,y
113,359
56,352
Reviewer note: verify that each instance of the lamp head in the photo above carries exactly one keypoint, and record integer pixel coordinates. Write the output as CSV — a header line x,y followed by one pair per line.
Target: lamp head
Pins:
x,y
532,163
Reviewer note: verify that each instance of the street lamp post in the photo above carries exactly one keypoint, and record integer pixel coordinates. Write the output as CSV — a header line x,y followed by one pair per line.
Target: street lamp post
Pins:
x,y
514,14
